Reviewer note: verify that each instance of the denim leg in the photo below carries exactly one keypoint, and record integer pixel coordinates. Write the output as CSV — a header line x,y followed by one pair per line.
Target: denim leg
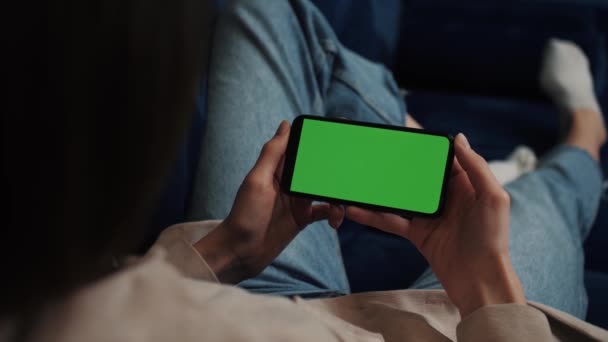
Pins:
x,y
274,60
552,211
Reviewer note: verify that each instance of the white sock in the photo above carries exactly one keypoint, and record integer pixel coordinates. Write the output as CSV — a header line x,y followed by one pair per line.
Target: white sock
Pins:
x,y
522,160
566,76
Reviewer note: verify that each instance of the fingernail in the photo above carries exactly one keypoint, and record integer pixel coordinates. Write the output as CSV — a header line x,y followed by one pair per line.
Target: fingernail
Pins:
x,y
462,140
282,128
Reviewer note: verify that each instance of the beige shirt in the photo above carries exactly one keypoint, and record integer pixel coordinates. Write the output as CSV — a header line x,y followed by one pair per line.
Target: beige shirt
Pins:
x,y
172,295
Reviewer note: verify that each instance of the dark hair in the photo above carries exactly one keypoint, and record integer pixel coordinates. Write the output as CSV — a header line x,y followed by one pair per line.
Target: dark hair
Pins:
x,y
102,92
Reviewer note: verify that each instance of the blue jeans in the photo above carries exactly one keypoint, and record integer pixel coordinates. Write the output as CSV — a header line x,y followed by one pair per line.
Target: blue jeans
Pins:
x,y
273,60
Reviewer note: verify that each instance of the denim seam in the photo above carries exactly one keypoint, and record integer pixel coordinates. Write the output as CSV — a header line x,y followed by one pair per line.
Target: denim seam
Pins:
x,y
338,75
331,48
321,62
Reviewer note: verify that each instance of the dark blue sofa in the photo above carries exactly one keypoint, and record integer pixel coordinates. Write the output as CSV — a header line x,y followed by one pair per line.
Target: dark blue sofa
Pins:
x,y
470,67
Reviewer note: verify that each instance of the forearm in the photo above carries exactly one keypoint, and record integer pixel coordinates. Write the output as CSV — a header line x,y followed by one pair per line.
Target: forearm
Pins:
x,y
177,246
495,283
217,249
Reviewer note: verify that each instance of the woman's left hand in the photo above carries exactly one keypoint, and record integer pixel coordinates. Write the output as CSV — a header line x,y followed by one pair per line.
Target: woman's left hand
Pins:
x,y
263,220
468,245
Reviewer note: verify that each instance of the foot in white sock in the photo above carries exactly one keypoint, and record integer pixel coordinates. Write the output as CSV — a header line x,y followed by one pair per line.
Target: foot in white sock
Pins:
x,y
522,160
566,76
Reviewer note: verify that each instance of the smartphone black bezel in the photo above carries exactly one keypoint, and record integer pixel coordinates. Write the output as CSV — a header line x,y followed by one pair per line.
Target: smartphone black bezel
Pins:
x,y
291,155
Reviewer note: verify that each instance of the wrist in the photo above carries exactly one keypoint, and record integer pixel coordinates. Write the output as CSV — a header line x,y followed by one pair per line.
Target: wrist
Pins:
x,y
495,284
217,248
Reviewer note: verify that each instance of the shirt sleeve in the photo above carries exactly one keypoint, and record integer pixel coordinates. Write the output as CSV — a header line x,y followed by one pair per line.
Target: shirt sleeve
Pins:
x,y
505,322
178,241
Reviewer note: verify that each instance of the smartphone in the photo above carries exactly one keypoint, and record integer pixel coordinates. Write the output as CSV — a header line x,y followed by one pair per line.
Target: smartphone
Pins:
x,y
379,167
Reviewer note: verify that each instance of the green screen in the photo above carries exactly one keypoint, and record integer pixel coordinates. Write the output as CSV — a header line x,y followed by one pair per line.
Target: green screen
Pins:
x,y
390,168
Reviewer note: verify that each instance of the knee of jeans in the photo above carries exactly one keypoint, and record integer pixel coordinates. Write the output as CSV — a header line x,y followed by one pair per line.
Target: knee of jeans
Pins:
x,y
265,8
292,25
278,16
258,16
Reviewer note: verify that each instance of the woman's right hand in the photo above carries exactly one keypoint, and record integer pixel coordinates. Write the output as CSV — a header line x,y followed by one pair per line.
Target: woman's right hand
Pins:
x,y
263,220
468,245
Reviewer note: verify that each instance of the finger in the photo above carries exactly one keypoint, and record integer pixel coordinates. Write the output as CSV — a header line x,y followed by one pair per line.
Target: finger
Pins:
x,y
459,188
273,151
459,183
456,167
387,222
302,211
319,212
336,216
411,122
477,169
278,173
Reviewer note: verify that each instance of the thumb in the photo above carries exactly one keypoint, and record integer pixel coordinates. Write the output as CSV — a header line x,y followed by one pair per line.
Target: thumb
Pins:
x,y
273,151
334,214
477,169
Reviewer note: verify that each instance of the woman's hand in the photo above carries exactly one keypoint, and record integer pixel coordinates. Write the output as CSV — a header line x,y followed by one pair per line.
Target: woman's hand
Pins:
x,y
263,220
468,246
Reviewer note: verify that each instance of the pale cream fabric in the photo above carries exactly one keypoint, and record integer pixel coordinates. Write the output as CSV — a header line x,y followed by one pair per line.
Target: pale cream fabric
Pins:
x,y
172,295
